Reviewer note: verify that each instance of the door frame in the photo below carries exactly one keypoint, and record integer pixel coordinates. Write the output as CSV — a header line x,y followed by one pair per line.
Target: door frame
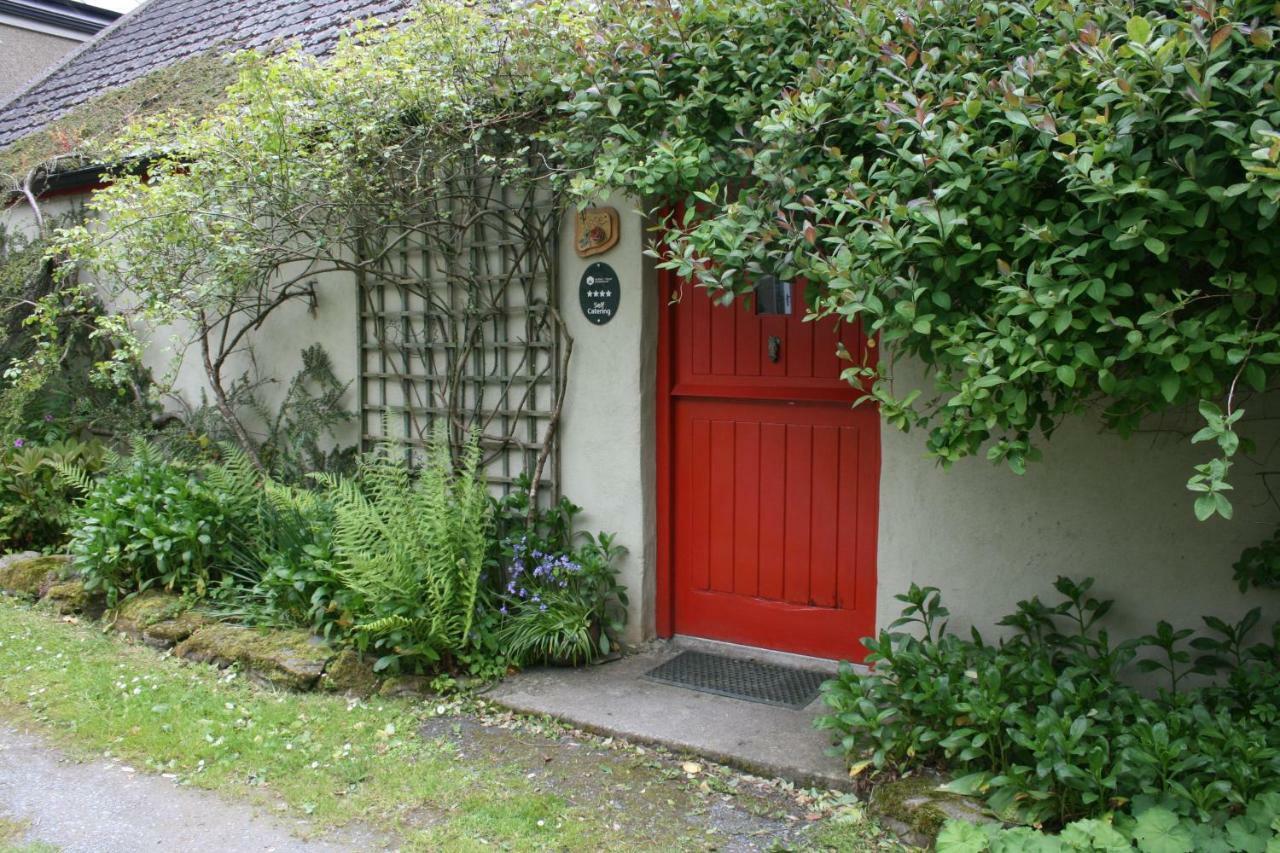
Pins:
x,y
664,436
665,599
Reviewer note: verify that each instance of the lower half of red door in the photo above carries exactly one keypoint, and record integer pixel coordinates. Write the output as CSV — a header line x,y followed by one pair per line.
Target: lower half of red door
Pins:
x,y
775,523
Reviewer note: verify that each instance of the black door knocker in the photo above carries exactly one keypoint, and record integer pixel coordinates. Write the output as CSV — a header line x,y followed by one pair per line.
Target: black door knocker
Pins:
x,y
775,348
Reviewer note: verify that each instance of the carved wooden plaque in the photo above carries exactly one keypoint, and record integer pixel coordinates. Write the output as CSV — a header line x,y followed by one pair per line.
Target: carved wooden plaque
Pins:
x,y
595,231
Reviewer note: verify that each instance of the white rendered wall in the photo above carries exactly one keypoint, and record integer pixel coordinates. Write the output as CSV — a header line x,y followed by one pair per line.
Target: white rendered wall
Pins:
x,y
607,463
275,352
1096,505
175,362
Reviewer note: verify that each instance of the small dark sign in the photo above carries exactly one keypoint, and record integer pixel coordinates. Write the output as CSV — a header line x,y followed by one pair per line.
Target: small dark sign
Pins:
x,y
600,293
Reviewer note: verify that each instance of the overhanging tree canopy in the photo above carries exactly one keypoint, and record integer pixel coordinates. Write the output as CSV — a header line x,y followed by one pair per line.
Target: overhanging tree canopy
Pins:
x,y
1049,203
349,164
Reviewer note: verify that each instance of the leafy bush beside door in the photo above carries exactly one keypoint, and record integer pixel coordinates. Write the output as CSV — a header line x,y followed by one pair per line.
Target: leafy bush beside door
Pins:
x,y
148,522
1044,726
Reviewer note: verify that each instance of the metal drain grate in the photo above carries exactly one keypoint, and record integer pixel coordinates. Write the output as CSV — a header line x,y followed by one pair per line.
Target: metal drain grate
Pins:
x,y
753,681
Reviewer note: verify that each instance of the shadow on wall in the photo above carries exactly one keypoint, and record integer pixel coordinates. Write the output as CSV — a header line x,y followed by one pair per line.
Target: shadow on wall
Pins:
x,y
1096,505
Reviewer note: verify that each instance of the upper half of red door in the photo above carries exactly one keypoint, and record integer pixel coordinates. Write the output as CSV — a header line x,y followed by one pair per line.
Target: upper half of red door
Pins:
x,y
756,348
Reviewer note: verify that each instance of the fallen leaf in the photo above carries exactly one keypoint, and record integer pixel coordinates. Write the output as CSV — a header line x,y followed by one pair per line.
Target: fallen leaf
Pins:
x,y
692,768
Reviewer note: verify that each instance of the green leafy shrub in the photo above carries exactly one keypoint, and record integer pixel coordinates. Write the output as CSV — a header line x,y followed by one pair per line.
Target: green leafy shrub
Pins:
x,y
36,504
559,603
147,522
1259,566
411,546
1043,726
282,563
1046,203
1148,828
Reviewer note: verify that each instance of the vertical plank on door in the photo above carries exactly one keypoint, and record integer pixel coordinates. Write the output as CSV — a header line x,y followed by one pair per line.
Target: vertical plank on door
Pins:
x,y
699,338
773,509
724,319
746,508
823,516
720,524
747,341
826,364
799,495
799,338
848,520
700,505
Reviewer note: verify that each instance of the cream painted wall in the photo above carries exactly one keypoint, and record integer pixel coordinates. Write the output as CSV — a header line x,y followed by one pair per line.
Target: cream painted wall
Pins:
x,y
276,351
1096,505
175,362
607,464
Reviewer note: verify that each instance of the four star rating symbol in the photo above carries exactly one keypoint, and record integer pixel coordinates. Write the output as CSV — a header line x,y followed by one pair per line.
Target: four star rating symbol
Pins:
x,y
599,293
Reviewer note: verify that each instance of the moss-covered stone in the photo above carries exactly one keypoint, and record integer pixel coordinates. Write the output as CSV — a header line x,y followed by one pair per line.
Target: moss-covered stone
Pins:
x,y
167,633
915,809
69,597
405,686
293,659
136,614
351,673
29,574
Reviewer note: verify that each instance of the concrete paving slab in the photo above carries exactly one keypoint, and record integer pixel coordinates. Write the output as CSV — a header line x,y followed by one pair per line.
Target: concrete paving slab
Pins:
x,y
614,699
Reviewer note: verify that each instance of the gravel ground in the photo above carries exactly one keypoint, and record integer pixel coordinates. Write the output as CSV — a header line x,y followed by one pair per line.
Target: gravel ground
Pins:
x,y
106,807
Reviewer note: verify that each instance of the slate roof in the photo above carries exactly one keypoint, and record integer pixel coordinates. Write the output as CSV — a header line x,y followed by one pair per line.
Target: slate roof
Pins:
x,y
162,32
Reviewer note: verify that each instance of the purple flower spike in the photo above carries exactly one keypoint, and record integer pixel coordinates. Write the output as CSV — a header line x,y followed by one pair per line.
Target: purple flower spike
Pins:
x,y
48,419
18,442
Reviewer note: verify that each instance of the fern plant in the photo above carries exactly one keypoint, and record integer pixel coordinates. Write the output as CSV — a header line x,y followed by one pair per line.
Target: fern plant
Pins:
x,y
36,502
412,546
282,569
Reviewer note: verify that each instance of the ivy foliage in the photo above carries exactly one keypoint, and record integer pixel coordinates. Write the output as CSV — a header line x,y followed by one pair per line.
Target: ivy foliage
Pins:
x,y
48,347
1050,204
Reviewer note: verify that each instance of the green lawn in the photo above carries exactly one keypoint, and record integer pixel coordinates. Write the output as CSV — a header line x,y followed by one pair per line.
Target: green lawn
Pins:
x,y
429,774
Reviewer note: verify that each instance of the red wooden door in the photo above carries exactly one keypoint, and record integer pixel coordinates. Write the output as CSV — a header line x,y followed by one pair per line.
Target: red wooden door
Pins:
x,y
773,478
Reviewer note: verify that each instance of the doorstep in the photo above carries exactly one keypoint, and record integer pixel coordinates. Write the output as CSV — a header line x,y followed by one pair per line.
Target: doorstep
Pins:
x,y
615,700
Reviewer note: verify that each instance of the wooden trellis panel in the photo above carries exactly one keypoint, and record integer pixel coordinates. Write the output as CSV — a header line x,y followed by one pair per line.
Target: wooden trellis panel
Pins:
x,y
460,323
